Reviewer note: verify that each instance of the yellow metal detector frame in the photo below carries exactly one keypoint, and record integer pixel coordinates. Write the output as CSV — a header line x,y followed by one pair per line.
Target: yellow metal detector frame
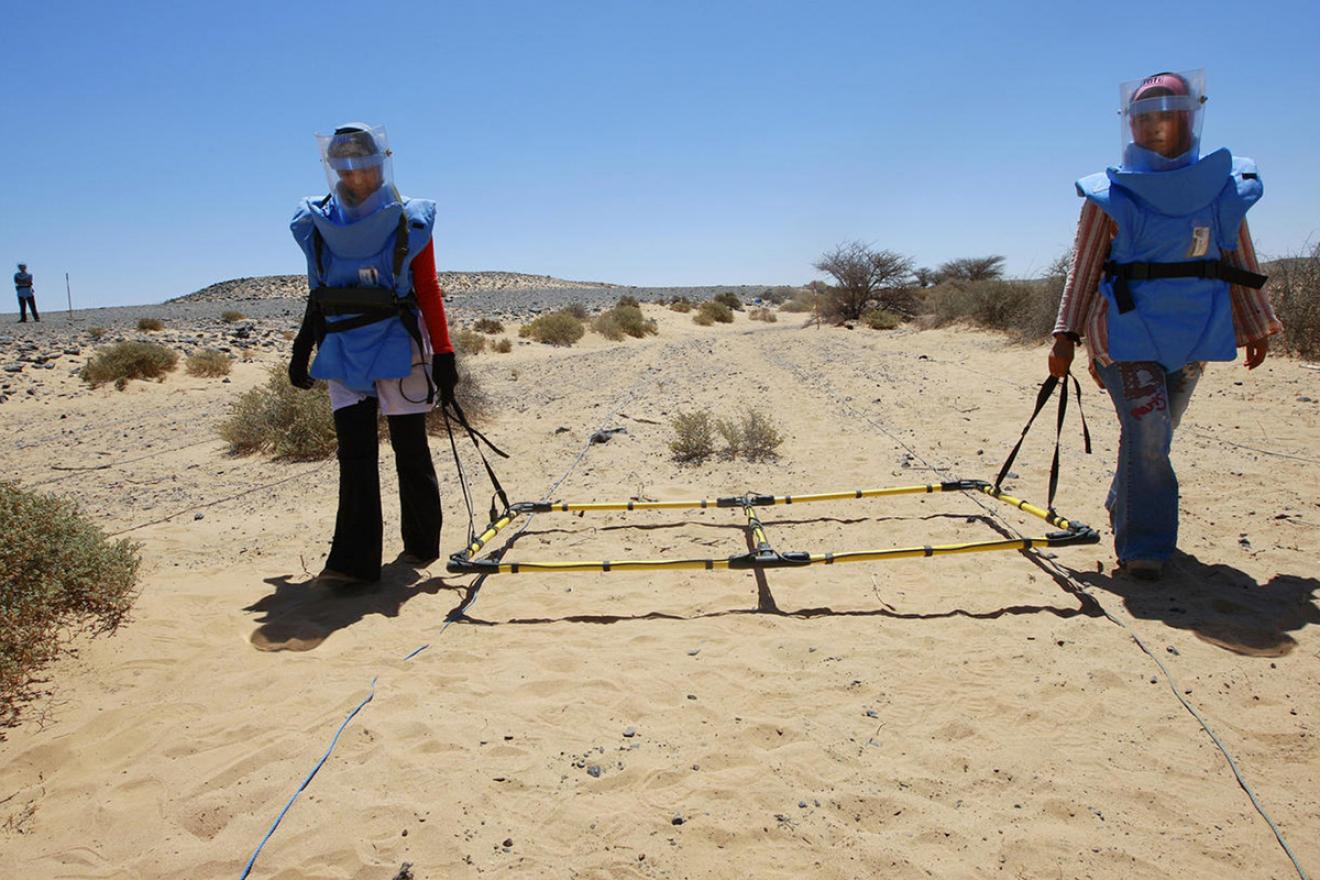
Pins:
x,y
765,556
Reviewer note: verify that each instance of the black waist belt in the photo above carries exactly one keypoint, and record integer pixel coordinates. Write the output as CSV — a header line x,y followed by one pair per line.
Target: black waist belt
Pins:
x,y
358,300
1121,273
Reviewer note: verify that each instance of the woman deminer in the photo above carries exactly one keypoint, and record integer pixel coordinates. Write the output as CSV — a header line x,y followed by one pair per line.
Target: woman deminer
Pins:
x,y
377,320
1164,278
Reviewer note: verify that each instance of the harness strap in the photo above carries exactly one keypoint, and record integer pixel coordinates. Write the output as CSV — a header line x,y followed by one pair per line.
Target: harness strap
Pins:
x,y
1220,270
476,435
1043,397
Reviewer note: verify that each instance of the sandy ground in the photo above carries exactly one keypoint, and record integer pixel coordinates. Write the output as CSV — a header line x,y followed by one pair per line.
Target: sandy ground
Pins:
x,y
964,716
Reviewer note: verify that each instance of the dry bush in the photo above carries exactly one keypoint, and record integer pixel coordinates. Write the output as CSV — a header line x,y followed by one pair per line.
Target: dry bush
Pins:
x,y
150,324
716,311
776,296
864,279
752,436
681,304
289,334
694,436
762,315
287,422
1295,292
469,341
59,575
1023,309
208,363
97,333
627,300
577,310
881,319
231,316
703,318
730,299
488,325
129,360
503,346
556,328
621,321
802,301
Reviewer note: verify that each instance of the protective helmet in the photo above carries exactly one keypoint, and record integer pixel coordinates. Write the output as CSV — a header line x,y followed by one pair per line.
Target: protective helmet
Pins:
x,y
357,166
1161,120
22,267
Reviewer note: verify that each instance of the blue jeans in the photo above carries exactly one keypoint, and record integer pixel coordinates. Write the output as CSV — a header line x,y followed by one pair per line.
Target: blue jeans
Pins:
x,y
1143,497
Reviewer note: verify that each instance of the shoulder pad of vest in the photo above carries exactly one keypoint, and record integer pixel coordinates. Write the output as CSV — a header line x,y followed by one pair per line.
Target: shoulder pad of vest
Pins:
x,y
1093,184
1245,169
421,212
306,206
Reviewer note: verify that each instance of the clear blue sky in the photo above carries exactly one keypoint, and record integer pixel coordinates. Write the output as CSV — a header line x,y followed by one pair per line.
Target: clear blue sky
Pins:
x,y
154,148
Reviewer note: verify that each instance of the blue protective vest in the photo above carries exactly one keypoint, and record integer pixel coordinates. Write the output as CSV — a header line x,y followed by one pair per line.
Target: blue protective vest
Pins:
x,y
23,283
362,254
1187,214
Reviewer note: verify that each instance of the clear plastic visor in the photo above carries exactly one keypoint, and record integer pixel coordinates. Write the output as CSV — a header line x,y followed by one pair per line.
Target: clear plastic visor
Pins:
x,y
357,165
1161,132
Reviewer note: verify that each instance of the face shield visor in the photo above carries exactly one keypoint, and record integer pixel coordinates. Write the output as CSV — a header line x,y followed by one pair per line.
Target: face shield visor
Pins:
x,y
358,169
1161,120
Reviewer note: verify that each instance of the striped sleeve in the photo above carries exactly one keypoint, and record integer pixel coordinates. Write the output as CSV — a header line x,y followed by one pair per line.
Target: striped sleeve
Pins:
x,y
1081,294
1253,315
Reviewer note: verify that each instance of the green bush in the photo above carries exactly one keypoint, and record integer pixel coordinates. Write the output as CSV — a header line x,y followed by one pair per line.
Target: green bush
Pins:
x,y
488,325
762,315
231,316
1294,288
681,304
150,324
59,575
881,319
621,321
716,311
730,299
694,437
208,363
277,418
503,346
555,328
470,341
129,360
752,437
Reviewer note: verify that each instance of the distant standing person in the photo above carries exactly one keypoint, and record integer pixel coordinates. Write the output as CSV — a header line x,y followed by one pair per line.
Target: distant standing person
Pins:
x,y
27,298
1164,278
377,319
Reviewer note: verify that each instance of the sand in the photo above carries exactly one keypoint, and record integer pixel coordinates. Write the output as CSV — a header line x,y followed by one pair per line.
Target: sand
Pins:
x,y
966,716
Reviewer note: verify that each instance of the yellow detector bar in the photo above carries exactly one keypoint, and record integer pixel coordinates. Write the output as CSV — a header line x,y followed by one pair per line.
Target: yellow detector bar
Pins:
x,y
764,555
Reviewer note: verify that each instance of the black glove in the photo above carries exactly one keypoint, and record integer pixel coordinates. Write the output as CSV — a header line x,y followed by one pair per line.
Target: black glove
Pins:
x,y
298,375
444,372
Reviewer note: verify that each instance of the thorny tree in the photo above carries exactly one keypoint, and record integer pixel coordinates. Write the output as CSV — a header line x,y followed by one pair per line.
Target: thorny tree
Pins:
x,y
866,279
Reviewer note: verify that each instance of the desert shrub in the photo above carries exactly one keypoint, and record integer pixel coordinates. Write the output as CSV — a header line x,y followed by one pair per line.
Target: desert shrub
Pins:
x,y
694,436
129,360
150,324
555,328
681,304
1022,309
621,321
288,422
752,436
627,300
577,310
717,311
488,325
777,295
59,575
881,319
802,301
1294,288
703,318
231,316
762,315
288,334
208,363
503,346
469,341
730,299
97,333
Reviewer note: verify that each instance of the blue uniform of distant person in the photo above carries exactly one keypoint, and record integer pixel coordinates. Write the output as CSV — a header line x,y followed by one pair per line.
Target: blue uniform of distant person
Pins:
x,y
27,298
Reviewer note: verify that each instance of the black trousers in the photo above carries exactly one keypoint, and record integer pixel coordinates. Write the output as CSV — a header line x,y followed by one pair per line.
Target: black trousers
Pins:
x,y
358,529
25,303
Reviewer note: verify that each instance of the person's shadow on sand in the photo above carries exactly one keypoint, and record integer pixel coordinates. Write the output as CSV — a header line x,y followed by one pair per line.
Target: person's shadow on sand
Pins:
x,y
300,615
1220,604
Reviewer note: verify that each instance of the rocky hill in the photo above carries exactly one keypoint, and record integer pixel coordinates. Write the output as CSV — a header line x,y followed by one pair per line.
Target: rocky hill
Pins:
x,y
283,286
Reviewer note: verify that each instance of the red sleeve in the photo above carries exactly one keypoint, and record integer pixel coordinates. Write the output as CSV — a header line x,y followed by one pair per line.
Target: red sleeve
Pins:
x,y
431,298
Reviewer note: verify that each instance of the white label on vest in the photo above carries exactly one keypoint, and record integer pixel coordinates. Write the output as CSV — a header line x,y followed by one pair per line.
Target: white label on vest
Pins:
x,y
1200,241
369,277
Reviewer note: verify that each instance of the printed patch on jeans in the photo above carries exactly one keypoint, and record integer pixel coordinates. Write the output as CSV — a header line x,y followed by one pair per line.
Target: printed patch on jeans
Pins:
x,y
368,276
1142,387
1200,241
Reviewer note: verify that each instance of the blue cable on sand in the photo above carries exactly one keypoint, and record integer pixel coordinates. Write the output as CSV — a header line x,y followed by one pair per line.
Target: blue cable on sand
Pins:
x,y
252,861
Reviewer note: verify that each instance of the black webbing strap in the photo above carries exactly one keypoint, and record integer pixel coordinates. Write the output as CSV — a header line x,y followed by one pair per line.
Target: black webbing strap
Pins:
x,y
400,246
1042,398
476,436
1220,270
